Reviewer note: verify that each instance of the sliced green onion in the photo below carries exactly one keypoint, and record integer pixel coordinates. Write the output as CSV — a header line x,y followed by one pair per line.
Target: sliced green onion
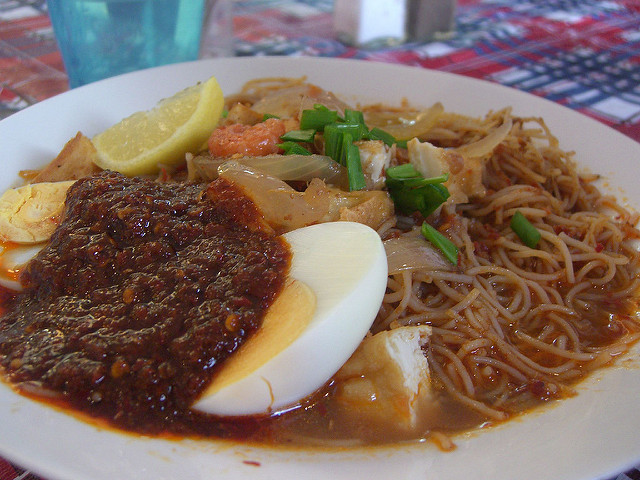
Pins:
x,y
445,245
441,189
529,234
419,182
356,130
332,141
406,170
346,139
354,167
292,148
338,144
305,136
425,200
317,118
379,134
412,192
267,116
407,174
354,117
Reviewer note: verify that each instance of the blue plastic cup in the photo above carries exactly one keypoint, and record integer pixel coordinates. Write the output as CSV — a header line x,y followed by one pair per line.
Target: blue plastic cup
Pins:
x,y
102,38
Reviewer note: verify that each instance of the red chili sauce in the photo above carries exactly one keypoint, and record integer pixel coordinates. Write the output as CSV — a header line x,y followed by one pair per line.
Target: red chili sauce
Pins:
x,y
125,314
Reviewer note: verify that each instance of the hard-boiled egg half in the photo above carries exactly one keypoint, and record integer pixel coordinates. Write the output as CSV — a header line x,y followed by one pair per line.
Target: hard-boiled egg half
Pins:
x,y
28,216
332,294
334,289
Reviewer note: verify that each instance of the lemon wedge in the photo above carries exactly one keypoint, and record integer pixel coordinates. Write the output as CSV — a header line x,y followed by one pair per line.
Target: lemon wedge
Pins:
x,y
141,143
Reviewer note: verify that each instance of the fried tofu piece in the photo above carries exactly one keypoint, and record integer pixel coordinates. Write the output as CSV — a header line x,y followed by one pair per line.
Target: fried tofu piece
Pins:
x,y
30,214
75,160
387,378
374,208
370,207
465,174
240,113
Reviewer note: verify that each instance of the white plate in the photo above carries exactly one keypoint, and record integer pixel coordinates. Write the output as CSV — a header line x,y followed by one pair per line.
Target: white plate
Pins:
x,y
593,435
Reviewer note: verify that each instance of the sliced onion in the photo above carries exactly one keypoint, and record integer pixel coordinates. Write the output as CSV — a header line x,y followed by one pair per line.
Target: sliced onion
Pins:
x,y
412,252
285,167
486,144
282,207
14,260
290,102
286,209
411,128
36,388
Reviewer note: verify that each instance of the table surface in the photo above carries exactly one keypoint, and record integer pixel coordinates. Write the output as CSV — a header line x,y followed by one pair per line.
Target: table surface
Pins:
x,y
584,54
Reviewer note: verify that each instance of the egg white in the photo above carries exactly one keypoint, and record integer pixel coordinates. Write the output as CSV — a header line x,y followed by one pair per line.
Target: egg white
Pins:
x,y
13,260
344,266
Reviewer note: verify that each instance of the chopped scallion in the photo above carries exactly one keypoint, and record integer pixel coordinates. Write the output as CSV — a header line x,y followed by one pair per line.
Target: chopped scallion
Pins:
x,y
332,141
338,144
445,245
317,118
292,148
412,192
379,134
354,167
406,170
353,117
529,234
419,182
267,116
305,136
425,199
411,177
357,131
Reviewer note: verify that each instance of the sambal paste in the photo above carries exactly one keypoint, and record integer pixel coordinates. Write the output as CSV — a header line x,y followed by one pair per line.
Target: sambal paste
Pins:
x,y
125,314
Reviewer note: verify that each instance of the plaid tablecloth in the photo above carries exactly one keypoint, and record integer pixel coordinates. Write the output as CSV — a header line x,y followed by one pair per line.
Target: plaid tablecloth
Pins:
x,y
584,54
